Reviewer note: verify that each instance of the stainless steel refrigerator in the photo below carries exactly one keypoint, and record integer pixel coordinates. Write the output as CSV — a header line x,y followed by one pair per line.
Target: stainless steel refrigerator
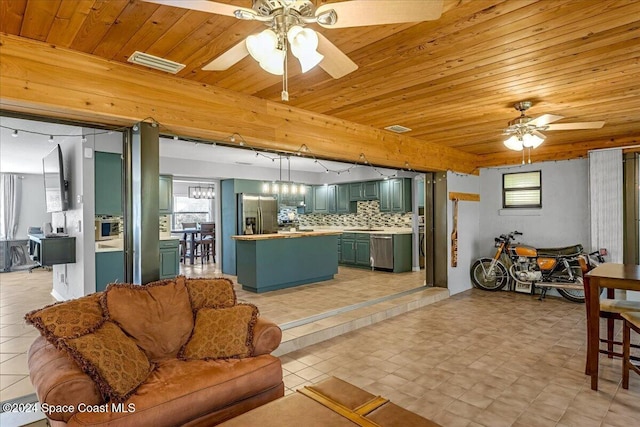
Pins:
x,y
257,214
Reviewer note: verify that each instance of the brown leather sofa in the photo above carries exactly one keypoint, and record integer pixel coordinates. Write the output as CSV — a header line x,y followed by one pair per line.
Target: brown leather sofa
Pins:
x,y
176,391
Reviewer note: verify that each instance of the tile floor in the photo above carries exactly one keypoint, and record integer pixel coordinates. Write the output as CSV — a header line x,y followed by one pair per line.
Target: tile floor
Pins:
x,y
475,359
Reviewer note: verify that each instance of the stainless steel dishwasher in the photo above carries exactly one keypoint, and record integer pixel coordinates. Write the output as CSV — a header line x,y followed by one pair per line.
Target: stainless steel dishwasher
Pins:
x,y
381,251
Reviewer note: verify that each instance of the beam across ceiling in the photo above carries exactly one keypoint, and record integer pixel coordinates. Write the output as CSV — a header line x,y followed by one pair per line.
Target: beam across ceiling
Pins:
x,y
41,79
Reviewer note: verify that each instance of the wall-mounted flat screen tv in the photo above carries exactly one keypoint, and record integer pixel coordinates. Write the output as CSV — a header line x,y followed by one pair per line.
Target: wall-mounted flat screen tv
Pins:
x,y
55,187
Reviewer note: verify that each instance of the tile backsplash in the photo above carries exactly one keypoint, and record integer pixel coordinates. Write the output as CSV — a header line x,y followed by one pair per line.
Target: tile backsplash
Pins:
x,y
368,215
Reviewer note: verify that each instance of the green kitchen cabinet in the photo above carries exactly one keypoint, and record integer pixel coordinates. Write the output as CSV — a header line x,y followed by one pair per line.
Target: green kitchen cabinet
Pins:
x,y
332,199
169,258
109,269
108,183
359,191
343,203
402,253
355,250
363,257
308,199
395,195
165,196
320,204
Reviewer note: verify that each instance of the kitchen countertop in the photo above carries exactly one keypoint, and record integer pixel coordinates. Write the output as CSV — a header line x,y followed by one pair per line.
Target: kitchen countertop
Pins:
x,y
115,245
396,230
286,235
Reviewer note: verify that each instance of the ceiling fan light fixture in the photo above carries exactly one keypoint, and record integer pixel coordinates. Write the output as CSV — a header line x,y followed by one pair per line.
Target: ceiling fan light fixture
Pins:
x,y
274,62
531,141
310,60
262,46
304,45
513,143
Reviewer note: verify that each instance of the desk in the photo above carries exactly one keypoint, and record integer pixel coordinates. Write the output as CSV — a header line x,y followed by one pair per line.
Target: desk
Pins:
x,y
48,251
192,232
610,276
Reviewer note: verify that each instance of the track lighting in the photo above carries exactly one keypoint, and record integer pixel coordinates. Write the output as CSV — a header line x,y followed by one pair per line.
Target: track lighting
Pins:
x,y
51,138
15,133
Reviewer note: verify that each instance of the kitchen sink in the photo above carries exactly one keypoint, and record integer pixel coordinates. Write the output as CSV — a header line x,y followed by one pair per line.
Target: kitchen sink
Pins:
x,y
364,229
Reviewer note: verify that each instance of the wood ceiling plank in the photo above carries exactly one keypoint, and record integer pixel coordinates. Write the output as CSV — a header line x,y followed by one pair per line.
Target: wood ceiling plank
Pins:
x,y
68,21
127,24
178,33
11,16
102,16
153,28
38,18
488,52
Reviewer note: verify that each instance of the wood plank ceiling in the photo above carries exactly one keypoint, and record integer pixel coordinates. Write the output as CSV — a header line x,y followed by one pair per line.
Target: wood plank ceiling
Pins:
x,y
453,81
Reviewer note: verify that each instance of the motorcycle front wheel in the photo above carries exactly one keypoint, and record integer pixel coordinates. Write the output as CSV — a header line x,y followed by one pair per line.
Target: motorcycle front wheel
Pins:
x,y
574,295
483,277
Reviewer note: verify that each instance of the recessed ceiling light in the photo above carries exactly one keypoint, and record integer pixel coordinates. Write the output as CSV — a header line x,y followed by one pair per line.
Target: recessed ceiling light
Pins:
x,y
398,128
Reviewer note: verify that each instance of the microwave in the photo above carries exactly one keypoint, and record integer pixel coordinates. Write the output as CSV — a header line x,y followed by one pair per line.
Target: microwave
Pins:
x,y
107,228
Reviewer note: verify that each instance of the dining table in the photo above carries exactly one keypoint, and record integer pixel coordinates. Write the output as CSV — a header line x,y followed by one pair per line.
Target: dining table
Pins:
x,y
192,232
609,276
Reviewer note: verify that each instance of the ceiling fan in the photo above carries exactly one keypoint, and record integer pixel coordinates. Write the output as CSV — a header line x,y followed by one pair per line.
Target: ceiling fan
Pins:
x,y
524,131
287,20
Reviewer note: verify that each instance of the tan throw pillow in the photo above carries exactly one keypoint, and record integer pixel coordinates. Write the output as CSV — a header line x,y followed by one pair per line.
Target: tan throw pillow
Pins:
x,y
111,359
222,333
68,318
157,316
206,292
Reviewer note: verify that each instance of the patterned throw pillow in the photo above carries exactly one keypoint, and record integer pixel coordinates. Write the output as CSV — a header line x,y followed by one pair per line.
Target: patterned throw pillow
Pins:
x,y
206,292
222,333
68,318
111,359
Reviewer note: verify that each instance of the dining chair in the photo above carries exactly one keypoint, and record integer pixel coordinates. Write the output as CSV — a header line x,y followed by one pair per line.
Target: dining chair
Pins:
x,y
631,321
206,241
184,240
612,310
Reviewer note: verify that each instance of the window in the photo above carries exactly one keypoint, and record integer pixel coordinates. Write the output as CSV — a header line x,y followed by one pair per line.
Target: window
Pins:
x,y
522,190
186,209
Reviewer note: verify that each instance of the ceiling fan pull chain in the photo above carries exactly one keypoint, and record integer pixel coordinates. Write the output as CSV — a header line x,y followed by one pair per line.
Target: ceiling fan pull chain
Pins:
x,y
285,75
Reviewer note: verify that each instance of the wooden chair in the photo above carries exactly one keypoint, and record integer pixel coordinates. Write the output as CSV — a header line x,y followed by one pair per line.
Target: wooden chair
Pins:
x,y
610,309
206,241
631,321
184,240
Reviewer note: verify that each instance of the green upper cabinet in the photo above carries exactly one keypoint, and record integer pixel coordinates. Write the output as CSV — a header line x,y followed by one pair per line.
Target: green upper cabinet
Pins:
x,y
332,198
395,195
364,191
320,203
308,199
165,197
108,183
342,199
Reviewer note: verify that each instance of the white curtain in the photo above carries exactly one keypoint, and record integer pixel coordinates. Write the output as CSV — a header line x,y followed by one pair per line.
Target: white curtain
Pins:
x,y
606,202
10,186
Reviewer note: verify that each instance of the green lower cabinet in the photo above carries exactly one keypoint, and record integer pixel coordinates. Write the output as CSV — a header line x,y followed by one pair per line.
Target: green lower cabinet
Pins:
x,y
363,257
169,258
109,269
402,253
355,250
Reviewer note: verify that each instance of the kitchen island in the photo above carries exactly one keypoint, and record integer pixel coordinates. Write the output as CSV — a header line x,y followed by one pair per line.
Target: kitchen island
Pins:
x,y
267,262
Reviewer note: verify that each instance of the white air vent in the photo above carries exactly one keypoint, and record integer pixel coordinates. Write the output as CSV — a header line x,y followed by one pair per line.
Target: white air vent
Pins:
x,y
397,129
155,62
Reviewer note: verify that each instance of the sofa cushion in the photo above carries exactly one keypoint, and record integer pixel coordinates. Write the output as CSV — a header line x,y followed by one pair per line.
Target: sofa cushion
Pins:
x,y
111,359
177,391
222,333
68,318
157,316
207,292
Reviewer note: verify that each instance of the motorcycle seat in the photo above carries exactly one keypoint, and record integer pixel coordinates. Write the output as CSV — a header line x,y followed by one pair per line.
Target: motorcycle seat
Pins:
x,y
565,251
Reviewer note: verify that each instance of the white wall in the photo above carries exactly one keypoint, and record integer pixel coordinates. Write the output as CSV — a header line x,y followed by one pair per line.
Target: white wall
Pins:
x,y
33,211
563,219
468,231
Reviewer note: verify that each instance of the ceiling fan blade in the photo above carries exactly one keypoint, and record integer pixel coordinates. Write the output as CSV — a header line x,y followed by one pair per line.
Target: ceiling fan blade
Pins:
x,y
357,13
575,126
229,58
203,6
539,134
545,119
335,62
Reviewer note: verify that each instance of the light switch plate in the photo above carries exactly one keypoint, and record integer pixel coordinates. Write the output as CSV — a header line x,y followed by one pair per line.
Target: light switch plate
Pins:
x,y
88,153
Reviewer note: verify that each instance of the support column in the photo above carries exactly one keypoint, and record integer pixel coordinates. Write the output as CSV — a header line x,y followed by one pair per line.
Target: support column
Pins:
x,y
143,185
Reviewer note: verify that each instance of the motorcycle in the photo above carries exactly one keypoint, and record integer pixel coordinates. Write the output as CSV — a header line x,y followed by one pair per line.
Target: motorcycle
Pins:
x,y
558,268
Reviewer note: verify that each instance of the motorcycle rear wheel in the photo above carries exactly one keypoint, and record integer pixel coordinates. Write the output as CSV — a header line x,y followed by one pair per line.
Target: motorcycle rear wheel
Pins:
x,y
492,281
574,295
